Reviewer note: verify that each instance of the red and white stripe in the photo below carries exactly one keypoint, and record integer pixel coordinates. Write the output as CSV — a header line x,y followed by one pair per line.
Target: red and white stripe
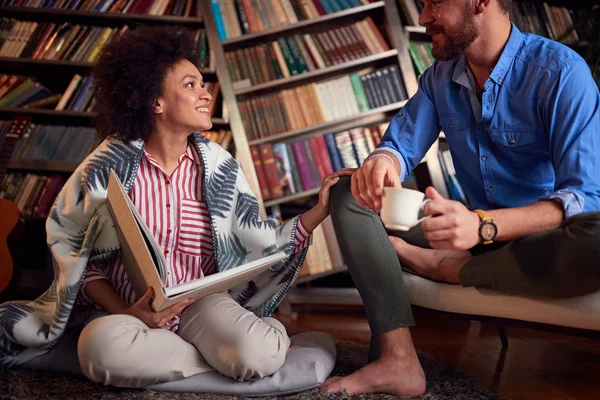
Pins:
x,y
174,210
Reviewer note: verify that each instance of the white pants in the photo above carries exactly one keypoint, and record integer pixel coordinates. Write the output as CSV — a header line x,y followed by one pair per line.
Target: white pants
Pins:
x,y
215,333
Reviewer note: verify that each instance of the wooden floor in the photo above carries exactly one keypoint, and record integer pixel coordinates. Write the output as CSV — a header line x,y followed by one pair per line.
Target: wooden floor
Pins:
x,y
537,364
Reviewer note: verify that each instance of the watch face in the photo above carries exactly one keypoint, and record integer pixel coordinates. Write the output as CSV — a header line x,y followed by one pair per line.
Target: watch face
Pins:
x,y
488,230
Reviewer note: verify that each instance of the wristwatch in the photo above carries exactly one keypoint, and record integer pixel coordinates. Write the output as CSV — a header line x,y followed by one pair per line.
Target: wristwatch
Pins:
x,y
487,228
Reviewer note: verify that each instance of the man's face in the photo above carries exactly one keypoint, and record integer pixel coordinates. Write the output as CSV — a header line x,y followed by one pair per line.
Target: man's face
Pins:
x,y
451,23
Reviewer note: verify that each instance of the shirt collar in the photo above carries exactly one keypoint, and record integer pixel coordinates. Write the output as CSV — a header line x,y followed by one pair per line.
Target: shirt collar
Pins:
x,y
499,72
190,153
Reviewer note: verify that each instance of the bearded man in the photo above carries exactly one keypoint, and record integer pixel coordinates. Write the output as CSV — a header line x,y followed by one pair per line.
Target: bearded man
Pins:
x,y
521,115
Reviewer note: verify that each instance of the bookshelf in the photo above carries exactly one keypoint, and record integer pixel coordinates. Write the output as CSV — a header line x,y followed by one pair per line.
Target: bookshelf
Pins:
x,y
36,178
386,16
384,12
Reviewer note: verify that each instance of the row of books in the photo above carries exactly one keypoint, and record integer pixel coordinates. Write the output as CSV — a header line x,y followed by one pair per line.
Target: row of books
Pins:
x,y
453,186
292,55
66,41
72,143
324,253
53,41
235,18
221,136
301,165
19,91
55,142
552,21
316,103
33,194
184,8
421,56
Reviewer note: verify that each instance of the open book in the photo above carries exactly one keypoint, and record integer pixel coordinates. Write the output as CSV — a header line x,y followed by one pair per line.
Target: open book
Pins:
x,y
146,266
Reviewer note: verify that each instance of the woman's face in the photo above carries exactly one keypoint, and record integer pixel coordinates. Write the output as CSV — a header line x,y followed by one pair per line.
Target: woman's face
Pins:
x,y
183,106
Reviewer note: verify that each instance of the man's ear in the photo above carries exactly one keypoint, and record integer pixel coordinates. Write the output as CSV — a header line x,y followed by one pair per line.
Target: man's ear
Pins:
x,y
482,5
158,106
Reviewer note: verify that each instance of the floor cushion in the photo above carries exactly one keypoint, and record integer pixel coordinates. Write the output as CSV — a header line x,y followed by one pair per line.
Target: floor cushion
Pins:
x,y
304,368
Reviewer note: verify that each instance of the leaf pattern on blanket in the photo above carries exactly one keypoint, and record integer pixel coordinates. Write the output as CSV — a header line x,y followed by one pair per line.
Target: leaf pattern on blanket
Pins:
x,y
221,188
246,211
66,299
231,252
54,215
118,156
11,314
242,297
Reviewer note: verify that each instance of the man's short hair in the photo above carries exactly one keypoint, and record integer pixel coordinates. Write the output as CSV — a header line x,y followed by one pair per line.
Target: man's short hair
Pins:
x,y
505,5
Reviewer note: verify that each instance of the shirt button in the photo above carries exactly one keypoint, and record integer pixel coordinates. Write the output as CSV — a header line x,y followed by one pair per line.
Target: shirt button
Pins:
x,y
166,252
168,205
499,79
490,189
484,158
400,113
511,141
169,231
167,181
450,126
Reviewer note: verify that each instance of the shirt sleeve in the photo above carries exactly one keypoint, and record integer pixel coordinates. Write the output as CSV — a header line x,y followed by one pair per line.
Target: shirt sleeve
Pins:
x,y
415,128
303,237
93,273
572,119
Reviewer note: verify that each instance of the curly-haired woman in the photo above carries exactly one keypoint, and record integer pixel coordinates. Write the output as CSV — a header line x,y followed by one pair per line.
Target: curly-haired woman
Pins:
x,y
196,201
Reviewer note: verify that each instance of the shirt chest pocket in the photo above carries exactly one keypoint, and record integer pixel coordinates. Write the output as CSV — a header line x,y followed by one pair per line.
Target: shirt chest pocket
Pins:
x,y
513,138
195,237
452,123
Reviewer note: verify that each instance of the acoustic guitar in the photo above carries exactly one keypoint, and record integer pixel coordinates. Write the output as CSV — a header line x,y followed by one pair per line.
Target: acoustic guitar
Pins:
x,y
9,216
9,213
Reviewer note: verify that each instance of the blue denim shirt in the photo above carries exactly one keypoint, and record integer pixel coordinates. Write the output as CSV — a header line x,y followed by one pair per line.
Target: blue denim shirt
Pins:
x,y
535,134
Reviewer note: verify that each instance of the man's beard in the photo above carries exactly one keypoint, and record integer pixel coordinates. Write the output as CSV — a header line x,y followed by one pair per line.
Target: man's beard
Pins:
x,y
457,40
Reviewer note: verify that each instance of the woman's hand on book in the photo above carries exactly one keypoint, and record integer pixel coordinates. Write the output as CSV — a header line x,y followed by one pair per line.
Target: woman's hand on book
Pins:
x,y
142,309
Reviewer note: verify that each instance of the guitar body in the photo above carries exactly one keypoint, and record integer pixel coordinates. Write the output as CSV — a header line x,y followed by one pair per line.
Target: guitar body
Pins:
x,y
9,216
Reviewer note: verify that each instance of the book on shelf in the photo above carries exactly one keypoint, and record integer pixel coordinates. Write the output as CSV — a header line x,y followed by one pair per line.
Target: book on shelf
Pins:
x,y
180,8
235,18
146,266
421,56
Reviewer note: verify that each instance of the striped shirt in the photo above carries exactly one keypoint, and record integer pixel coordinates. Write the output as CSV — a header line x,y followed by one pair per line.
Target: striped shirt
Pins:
x,y
174,209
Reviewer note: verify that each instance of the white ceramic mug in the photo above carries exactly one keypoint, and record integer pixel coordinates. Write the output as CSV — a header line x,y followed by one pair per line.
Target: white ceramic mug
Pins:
x,y
400,208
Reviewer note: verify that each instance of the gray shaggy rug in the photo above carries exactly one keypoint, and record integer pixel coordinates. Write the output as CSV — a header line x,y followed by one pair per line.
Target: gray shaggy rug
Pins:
x,y
443,382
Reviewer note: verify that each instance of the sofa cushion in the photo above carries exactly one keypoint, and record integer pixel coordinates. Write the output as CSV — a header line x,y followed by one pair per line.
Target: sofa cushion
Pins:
x,y
577,312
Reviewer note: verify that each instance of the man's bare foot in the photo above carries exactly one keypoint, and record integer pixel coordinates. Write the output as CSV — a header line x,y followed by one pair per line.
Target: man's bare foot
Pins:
x,y
439,265
398,376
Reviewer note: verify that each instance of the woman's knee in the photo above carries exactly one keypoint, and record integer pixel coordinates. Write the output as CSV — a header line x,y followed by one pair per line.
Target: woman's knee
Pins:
x,y
261,355
100,348
341,195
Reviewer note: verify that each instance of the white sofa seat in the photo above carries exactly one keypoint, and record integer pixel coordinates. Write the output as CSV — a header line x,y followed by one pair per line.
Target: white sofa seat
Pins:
x,y
577,312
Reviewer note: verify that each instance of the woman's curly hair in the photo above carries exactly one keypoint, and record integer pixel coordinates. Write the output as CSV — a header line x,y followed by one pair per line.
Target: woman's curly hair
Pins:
x,y
129,77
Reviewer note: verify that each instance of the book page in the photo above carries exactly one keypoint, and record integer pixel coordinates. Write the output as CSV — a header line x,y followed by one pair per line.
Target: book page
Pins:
x,y
225,280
